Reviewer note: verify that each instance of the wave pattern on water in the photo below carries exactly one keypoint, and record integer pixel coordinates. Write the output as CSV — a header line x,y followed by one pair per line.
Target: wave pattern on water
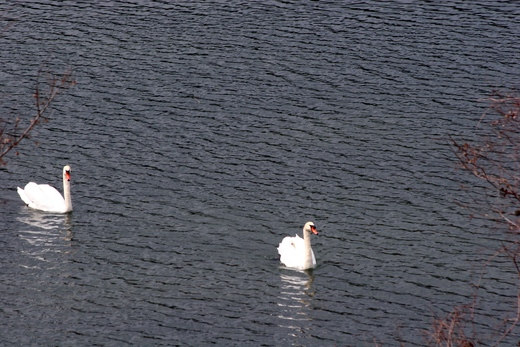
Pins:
x,y
201,134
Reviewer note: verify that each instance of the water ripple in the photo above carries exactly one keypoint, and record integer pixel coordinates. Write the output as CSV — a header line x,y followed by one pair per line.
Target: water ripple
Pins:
x,y
202,134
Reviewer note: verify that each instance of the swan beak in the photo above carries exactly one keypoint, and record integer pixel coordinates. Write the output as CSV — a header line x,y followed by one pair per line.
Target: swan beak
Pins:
x,y
313,229
67,175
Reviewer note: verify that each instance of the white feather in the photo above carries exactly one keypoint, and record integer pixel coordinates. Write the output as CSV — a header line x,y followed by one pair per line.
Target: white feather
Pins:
x,y
46,198
296,252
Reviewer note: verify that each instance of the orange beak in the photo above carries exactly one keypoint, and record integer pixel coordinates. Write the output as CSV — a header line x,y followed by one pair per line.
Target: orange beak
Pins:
x,y
313,229
67,175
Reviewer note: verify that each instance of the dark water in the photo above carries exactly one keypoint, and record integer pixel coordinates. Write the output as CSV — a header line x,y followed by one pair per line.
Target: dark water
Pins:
x,y
200,134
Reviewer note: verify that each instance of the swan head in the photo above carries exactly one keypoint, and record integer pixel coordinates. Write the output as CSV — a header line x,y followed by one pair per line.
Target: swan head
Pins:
x,y
66,172
309,227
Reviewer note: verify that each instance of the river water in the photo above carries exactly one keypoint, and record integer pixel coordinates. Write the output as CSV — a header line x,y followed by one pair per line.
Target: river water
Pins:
x,y
202,133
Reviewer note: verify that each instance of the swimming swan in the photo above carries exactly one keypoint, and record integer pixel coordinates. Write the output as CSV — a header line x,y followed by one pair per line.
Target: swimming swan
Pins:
x,y
296,252
46,198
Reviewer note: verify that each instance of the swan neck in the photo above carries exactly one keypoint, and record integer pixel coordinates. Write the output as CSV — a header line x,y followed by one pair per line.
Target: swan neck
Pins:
x,y
307,248
66,195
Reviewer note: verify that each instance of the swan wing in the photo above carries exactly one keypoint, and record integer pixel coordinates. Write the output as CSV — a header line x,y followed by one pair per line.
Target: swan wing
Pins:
x,y
42,197
291,251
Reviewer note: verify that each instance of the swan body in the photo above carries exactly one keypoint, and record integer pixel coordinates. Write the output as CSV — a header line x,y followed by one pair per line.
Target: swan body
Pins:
x,y
296,252
46,198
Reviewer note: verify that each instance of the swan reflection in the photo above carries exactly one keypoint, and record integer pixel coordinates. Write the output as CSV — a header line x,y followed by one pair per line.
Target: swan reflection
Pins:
x,y
45,233
296,295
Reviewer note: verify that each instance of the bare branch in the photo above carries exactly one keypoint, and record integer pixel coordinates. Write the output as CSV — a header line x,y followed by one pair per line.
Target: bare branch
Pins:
x,y
10,139
495,161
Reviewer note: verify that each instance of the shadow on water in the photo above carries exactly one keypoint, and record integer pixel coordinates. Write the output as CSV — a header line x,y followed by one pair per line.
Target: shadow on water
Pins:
x,y
45,234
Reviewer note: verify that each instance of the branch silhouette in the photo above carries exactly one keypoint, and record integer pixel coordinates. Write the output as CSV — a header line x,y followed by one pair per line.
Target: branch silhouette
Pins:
x,y
11,131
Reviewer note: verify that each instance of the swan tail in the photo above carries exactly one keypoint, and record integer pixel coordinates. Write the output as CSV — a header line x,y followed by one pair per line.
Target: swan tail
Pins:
x,y
23,196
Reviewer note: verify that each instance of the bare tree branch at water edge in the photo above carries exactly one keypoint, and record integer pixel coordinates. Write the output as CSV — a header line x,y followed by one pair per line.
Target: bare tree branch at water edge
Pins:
x,y
495,160
48,86
453,329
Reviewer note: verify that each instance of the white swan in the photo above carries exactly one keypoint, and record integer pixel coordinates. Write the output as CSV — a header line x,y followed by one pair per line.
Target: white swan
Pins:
x,y
296,252
46,198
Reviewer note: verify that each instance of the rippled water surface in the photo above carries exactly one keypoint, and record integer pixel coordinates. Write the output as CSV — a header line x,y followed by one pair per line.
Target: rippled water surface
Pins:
x,y
200,134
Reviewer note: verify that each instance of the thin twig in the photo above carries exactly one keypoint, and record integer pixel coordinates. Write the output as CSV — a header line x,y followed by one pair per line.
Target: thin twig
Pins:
x,y
9,142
